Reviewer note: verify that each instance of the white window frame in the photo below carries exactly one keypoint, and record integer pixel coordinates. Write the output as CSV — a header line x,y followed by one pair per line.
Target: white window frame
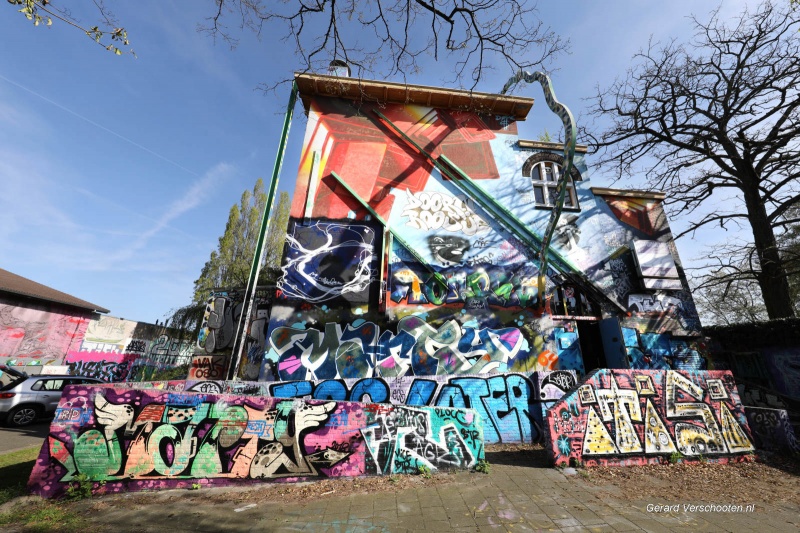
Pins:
x,y
546,187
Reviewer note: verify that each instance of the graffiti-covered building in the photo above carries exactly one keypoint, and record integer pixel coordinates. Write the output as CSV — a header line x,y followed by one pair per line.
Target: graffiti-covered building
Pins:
x,y
40,325
44,329
412,247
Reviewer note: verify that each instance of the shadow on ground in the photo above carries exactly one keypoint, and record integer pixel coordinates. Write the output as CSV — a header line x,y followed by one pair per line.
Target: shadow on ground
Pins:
x,y
526,455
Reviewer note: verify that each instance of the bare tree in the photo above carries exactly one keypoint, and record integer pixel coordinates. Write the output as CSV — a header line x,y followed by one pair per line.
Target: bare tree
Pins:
x,y
376,37
733,301
390,37
713,118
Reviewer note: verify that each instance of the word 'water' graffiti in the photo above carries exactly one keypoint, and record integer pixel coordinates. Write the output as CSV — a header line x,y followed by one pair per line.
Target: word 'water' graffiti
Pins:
x,y
635,417
146,439
510,405
361,350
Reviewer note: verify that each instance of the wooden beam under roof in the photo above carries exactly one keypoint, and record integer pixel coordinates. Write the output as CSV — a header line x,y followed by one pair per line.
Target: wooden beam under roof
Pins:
x,y
628,193
543,145
311,85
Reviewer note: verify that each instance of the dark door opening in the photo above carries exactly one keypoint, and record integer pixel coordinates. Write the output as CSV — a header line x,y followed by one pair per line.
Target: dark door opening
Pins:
x,y
591,345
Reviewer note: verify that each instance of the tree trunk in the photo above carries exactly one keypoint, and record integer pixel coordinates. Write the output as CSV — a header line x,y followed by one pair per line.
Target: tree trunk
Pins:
x,y
772,279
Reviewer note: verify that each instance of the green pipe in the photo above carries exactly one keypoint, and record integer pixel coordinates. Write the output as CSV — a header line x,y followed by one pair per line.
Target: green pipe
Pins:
x,y
518,228
467,185
438,277
255,266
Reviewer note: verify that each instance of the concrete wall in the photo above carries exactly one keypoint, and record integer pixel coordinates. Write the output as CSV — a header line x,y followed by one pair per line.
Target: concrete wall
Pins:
x,y
140,439
115,349
764,357
511,405
626,417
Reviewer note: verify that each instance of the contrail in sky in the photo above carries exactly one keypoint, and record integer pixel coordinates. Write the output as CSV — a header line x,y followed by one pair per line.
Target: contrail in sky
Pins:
x,y
95,124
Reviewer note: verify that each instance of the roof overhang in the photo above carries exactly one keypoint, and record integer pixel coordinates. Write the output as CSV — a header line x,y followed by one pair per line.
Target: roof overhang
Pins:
x,y
543,145
311,85
629,193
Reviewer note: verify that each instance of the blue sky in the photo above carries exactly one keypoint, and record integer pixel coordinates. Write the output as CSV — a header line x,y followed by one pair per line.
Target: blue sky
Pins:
x,y
117,174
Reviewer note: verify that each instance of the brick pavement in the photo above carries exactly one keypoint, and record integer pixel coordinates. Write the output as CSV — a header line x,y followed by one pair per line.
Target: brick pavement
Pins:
x,y
509,498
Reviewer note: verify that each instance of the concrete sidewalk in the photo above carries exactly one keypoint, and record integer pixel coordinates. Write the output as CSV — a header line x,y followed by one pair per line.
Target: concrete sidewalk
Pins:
x,y
509,498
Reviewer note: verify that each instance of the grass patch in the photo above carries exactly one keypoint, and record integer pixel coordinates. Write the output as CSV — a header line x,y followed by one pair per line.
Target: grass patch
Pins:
x,y
34,515
15,469
43,516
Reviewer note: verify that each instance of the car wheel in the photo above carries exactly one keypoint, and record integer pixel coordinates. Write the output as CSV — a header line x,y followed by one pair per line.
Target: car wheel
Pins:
x,y
23,415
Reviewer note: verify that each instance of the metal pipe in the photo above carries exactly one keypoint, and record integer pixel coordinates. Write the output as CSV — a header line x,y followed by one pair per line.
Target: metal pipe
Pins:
x,y
255,267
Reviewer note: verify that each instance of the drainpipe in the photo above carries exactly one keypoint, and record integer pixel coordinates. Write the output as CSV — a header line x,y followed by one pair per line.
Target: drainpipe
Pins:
x,y
570,139
258,256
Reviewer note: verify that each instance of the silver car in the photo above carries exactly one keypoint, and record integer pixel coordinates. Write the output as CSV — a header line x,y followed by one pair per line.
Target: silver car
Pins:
x,y
24,399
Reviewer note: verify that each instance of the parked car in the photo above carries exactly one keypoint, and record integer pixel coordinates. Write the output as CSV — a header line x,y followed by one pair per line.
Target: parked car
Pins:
x,y
24,399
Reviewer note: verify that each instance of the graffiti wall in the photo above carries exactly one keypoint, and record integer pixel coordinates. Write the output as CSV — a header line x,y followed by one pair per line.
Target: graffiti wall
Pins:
x,y
138,439
511,405
772,430
661,351
111,367
36,334
207,367
625,417
115,349
765,360
392,268
361,349
217,332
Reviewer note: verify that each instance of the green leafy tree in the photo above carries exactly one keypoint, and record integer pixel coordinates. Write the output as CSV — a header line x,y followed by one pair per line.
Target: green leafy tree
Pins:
x,y
229,265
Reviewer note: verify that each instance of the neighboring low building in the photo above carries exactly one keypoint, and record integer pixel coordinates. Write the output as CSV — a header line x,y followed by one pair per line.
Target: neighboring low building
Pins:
x,y
40,325
42,328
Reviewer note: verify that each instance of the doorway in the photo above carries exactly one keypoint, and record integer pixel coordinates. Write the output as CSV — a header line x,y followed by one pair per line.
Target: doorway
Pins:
x,y
591,343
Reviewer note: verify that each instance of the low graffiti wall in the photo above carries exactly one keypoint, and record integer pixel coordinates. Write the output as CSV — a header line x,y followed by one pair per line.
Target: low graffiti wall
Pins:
x,y
772,430
629,417
511,405
146,439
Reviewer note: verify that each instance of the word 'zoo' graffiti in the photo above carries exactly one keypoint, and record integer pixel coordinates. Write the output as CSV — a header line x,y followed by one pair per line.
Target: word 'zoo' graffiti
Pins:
x,y
147,439
620,417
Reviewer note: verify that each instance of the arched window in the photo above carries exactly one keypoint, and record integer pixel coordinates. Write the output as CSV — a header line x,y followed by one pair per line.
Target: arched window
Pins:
x,y
544,170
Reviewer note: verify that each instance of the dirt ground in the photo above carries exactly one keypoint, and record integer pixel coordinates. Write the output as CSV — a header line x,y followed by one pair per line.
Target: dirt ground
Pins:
x,y
771,478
